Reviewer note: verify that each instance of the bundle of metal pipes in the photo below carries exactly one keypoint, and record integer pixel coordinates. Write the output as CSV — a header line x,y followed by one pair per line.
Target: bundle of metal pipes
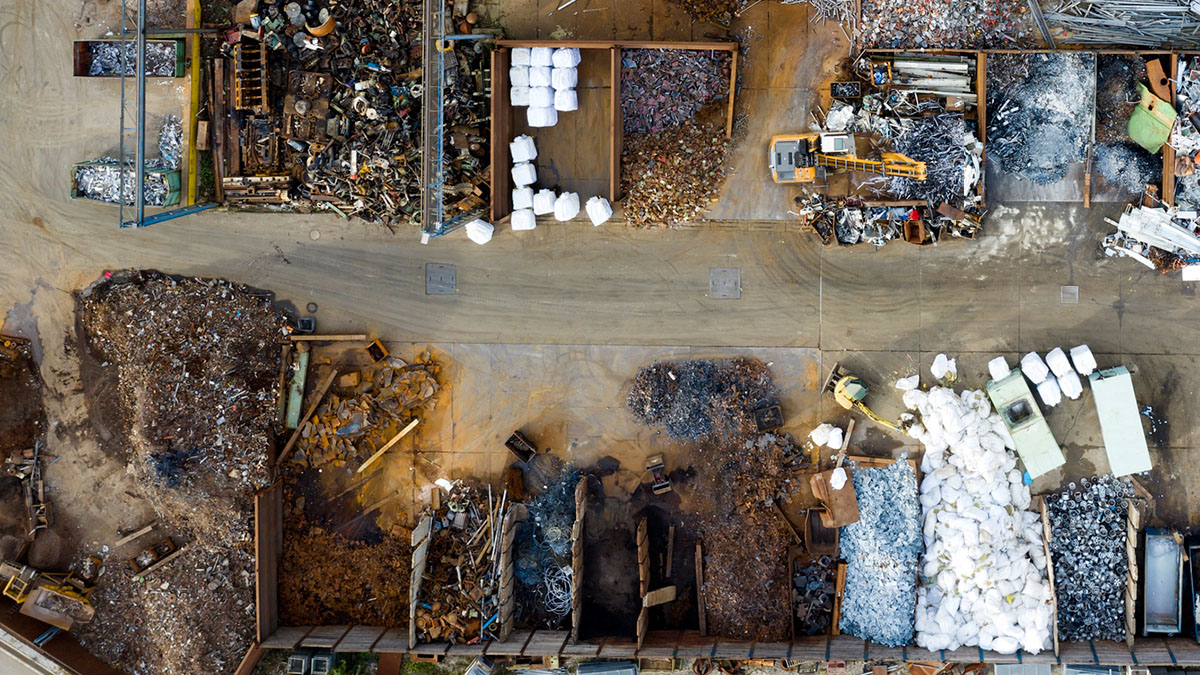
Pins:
x,y
1145,23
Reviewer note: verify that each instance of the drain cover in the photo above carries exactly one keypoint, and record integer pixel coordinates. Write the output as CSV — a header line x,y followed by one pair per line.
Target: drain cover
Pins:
x,y
1068,295
440,279
725,282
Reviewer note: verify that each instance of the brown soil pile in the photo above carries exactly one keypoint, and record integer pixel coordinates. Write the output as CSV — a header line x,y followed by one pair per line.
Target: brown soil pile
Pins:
x,y
197,363
21,416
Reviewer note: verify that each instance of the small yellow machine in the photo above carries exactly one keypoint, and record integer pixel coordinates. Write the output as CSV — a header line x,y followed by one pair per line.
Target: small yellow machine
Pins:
x,y
61,600
849,391
794,158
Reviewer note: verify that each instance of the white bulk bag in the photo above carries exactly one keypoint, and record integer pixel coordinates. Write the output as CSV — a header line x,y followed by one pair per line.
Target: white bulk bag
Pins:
x,y
1058,362
1034,367
523,219
566,57
520,56
522,149
518,76
1049,392
539,76
522,198
541,56
543,202
598,210
541,97
1070,385
541,117
524,174
1084,360
480,231
564,78
566,206
998,368
565,100
518,96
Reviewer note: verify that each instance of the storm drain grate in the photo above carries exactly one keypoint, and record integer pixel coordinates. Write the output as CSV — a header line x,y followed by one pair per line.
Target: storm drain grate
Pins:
x,y
440,279
725,282
1068,295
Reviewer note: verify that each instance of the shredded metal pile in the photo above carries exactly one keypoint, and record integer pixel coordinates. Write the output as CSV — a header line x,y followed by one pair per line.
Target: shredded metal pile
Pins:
x,y
101,181
196,362
945,24
1127,166
1087,544
106,58
881,552
1039,113
813,588
694,400
946,145
665,88
670,178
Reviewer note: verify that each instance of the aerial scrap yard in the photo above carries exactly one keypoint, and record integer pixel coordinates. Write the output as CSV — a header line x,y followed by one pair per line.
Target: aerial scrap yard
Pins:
x,y
309,446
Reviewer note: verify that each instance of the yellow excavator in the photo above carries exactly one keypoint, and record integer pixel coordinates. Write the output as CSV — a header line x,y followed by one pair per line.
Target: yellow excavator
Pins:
x,y
61,600
794,158
849,390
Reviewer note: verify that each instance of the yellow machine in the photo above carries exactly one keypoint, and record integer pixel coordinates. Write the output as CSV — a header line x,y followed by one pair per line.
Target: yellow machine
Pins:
x,y
849,391
61,600
794,158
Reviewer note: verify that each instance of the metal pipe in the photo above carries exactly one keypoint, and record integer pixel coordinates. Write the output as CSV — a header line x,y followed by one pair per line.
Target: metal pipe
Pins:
x,y
141,114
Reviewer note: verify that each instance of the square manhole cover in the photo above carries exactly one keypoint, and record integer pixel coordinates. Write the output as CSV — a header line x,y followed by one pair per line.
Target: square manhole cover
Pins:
x,y
725,282
440,279
1068,295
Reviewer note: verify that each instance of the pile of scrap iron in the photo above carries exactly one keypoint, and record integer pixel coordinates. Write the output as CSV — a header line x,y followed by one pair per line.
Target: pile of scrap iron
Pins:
x,y
915,105
1160,238
317,105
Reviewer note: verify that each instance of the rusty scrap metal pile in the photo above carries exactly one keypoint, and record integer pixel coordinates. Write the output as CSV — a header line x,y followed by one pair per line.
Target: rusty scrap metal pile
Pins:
x,y
664,88
946,24
366,409
458,599
670,178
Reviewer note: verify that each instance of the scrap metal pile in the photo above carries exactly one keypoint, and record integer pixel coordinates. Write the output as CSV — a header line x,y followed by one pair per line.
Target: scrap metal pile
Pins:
x,y
673,160
467,114
1040,109
542,555
196,363
739,475
1144,23
366,409
813,588
983,572
1087,544
881,552
458,599
101,180
107,61
946,24
1160,238
1185,135
1123,163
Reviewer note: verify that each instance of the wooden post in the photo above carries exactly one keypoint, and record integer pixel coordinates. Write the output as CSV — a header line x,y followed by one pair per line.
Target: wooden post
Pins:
x,y
387,446
700,590
616,126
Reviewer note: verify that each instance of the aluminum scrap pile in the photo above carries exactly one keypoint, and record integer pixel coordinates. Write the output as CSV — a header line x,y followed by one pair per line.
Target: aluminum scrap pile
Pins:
x,y
945,24
983,573
1145,23
170,142
101,181
841,11
1087,544
1185,136
106,58
952,157
670,178
542,556
813,588
1127,166
458,602
664,88
881,552
1159,238
1040,113
692,400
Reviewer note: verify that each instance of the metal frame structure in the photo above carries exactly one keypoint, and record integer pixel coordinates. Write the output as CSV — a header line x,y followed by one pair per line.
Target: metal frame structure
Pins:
x,y
137,164
433,122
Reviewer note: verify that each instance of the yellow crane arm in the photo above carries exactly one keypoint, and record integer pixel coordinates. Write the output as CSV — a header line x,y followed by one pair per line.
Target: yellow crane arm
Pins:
x,y
893,164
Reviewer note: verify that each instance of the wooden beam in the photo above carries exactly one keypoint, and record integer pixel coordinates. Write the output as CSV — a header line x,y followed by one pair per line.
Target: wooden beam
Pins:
x,y
134,535
616,127
501,134
659,596
700,590
375,457
174,554
312,408
732,90
348,337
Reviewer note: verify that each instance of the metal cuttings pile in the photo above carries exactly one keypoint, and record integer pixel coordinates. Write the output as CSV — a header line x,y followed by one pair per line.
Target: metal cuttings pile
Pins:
x,y
692,400
1160,238
467,114
1040,113
1139,23
665,88
542,555
106,58
881,552
367,409
1087,545
945,24
458,599
813,588
100,180
841,11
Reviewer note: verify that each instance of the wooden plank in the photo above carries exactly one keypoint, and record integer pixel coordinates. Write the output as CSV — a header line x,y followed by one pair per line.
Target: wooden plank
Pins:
x,y
1168,173
312,408
393,641
845,648
659,596
772,650
577,559
161,563
694,645
643,623
388,446
360,639
700,590
250,661
501,134
659,644
134,535
546,643
733,69
513,646
643,557
286,637
342,337
324,637
1046,538
192,44
616,127
618,648
216,97
732,649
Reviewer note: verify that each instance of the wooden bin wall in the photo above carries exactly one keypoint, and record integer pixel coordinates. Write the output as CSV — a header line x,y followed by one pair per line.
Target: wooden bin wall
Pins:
x,y
502,110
